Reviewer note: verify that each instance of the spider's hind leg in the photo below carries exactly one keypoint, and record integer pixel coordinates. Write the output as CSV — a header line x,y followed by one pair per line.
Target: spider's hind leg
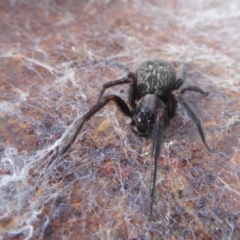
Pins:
x,y
181,87
123,80
184,88
182,77
118,65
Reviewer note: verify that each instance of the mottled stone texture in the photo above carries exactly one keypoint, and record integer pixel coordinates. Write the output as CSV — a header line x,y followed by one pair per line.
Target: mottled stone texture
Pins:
x,y
53,57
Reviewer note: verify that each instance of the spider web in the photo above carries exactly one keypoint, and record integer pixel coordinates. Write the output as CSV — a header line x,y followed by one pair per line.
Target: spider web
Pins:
x,y
53,63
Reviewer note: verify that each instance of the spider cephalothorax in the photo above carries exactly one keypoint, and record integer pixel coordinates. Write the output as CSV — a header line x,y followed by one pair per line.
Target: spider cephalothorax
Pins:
x,y
153,97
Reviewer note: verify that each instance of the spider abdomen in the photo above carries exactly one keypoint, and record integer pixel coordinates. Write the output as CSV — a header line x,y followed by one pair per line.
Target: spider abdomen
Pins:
x,y
155,77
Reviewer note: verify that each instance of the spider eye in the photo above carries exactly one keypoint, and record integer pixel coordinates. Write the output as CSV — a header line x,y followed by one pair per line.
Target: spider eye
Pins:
x,y
144,121
148,117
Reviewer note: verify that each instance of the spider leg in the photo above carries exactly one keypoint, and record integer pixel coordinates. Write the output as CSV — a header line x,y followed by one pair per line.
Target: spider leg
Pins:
x,y
156,151
133,93
191,88
118,65
123,80
171,107
182,88
120,103
192,115
182,77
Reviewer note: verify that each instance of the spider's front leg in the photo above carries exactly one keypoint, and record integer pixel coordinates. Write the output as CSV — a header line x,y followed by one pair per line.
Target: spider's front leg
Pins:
x,y
120,103
193,116
157,136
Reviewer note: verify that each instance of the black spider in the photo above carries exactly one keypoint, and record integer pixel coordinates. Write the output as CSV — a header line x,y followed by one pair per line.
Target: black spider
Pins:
x,y
153,97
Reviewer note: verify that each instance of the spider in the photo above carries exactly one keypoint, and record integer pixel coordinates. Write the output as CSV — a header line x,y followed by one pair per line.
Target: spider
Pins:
x,y
154,93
